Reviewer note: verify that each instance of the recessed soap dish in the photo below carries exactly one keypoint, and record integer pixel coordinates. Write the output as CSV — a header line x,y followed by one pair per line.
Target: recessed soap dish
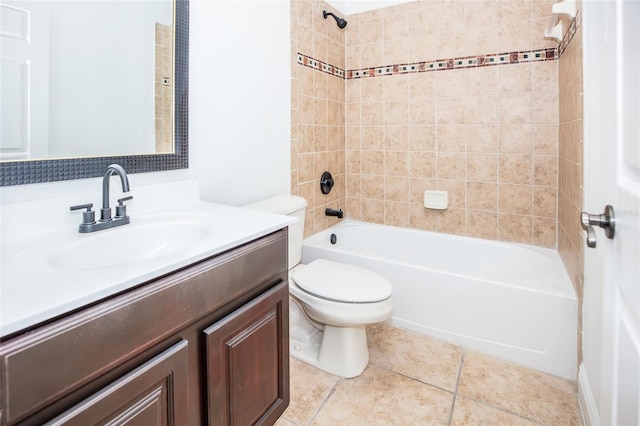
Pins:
x,y
438,200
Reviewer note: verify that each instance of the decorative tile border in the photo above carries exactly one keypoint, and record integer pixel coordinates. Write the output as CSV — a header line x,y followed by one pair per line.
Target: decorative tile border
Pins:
x,y
539,55
548,54
316,64
573,28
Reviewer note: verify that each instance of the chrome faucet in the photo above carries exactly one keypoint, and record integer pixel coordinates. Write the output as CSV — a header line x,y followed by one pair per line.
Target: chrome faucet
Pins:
x,y
89,223
105,211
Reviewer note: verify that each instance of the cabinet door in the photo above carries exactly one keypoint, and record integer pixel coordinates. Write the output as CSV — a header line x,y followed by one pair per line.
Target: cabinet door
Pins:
x,y
247,362
156,393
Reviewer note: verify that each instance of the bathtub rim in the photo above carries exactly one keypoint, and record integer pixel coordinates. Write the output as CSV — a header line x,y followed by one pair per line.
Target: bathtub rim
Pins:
x,y
559,274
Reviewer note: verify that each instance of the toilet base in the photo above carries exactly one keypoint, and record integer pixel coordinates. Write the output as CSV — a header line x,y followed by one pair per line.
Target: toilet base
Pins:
x,y
341,351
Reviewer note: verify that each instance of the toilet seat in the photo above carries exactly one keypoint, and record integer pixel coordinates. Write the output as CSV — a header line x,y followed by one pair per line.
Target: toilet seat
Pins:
x,y
341,282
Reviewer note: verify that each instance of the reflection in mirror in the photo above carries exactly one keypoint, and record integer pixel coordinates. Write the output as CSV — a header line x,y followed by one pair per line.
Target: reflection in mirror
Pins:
x,y
106,89
85,78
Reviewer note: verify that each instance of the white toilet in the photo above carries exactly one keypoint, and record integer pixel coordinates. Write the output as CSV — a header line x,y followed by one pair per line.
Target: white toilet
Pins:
x,y
331,302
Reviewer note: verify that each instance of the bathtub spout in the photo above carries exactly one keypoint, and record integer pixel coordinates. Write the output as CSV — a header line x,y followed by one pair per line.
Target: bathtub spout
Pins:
x,y
334,212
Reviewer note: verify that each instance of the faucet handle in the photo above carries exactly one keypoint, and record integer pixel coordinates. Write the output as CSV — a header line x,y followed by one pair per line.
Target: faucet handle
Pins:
x,y
89,216
121,209
82,206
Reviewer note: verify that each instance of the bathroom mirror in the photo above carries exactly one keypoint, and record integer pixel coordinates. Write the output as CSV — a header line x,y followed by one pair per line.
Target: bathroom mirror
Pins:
x,y
84,164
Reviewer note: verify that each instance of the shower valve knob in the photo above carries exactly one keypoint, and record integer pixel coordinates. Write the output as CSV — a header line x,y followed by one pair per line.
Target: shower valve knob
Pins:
x,y
326,183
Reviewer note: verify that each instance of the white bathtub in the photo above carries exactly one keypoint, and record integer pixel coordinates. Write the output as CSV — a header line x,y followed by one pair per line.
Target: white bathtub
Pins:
x,y
509,300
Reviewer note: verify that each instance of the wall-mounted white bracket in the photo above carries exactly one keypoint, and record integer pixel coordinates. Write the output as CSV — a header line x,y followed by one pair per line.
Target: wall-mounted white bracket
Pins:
x,y
555,30
565,8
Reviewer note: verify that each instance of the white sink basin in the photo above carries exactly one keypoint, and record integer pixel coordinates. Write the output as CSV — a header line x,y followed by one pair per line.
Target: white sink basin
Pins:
x,y
45,274
136,244
145,239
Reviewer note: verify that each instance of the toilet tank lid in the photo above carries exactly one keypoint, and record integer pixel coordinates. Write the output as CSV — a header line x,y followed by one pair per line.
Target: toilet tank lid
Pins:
x,y
281,204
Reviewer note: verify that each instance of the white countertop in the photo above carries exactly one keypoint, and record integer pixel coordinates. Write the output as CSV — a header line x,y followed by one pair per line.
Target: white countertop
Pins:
x,y
33,289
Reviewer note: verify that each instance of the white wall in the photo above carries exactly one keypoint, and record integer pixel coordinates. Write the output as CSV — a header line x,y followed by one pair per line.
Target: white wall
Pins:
x,y
240,102
349,7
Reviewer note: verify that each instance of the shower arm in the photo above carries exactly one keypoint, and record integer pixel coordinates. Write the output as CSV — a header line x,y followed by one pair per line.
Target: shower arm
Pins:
x,y
341,22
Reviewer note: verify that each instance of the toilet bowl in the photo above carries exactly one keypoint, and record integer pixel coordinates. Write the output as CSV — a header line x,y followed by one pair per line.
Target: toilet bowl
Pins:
x,y
331,302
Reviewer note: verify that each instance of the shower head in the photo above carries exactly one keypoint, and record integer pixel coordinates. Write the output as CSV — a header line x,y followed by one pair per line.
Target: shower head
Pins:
x,y
341,22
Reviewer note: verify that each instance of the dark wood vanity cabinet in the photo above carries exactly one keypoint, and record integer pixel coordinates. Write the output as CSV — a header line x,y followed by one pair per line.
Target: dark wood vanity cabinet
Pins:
x,y
207,344
245,370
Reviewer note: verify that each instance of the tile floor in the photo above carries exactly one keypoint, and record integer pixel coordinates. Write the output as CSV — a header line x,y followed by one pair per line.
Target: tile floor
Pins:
x,y
416,380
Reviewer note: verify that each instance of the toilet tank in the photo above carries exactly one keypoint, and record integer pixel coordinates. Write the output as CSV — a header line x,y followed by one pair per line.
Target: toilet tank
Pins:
x,y
290,205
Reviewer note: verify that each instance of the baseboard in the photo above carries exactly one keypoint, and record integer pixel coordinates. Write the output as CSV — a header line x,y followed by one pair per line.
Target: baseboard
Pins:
x,y
588,408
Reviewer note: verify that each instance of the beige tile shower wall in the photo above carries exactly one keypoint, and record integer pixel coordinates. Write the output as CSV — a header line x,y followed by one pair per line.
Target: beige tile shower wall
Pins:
x,y
488,136
570,184
164,93
317,117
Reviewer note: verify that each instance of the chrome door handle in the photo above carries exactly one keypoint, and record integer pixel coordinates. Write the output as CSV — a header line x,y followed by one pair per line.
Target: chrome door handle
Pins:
x,y
605,221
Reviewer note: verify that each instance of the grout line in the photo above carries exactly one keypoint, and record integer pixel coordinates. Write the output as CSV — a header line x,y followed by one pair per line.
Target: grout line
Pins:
x,y
504,410
288,420
331,392
411,378
484,403
455,392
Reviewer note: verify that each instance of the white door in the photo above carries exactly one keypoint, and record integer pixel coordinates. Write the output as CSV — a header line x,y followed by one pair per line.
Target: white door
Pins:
x,y
24,79
612,176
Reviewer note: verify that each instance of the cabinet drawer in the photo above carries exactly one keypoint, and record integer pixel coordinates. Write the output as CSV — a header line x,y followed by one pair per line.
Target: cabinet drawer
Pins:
x,y
42,365
156,393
